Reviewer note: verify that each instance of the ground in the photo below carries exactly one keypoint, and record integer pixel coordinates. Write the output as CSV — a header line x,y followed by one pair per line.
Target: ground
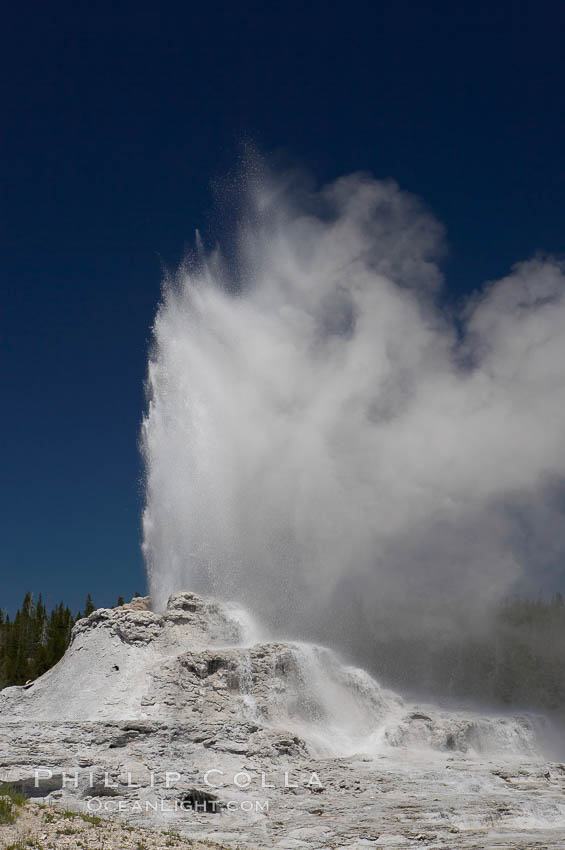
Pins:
x,y
47,827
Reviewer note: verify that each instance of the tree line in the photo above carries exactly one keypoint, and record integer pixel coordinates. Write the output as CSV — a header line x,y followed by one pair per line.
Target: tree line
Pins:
x,y
33,640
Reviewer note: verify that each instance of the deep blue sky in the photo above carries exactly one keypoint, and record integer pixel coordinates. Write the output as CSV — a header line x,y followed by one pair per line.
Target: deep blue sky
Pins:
x,y
117,117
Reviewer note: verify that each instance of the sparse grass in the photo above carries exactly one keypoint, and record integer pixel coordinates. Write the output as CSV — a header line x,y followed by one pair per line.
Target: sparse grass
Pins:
x,y
24,843
16,797
67,830
88,818
174,838
60,825
7,813
72,815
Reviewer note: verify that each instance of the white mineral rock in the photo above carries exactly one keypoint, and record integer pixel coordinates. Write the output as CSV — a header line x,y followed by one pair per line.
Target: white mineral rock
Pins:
x,y
266,743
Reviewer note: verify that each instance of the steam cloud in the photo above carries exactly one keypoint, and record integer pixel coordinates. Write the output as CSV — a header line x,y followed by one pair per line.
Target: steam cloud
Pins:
x,y
323,438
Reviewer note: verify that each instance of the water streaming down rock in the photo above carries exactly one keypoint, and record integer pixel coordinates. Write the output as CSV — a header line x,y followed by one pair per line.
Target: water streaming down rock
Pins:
x,y
133,664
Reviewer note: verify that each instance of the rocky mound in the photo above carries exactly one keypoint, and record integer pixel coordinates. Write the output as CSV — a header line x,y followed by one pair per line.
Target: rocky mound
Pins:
x,y
109,666
193,690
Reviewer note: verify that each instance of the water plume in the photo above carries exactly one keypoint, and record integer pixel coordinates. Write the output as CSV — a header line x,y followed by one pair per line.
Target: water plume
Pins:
x,y
324,440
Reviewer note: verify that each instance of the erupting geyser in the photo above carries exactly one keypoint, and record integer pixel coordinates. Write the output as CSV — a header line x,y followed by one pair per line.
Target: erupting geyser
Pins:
x,y
323,436
322,441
